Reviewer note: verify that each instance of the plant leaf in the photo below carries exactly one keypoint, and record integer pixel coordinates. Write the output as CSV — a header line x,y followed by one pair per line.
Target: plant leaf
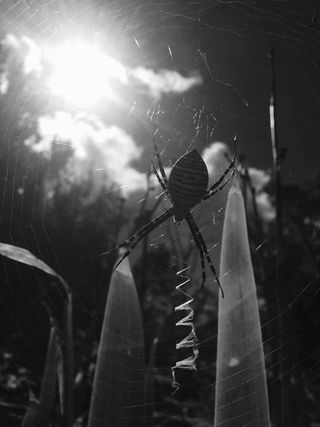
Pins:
x,y
241,389
68,365
149,391
26,257
30,416
48,383
118,387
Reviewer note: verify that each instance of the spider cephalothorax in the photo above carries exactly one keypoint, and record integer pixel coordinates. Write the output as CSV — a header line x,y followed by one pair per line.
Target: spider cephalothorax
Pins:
x,y
186,187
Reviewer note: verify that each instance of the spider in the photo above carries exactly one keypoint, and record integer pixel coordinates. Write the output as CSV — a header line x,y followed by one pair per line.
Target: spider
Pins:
x,y
186,187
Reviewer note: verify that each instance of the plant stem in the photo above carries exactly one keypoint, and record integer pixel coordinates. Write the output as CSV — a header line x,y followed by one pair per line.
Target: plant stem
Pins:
x,y
278,368
275,151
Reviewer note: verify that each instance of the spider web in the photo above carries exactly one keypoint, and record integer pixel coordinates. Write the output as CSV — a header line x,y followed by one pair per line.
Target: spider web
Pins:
x,y
58,210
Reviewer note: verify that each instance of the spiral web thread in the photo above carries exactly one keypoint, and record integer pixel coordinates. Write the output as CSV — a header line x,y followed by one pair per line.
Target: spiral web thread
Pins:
x,y
191,340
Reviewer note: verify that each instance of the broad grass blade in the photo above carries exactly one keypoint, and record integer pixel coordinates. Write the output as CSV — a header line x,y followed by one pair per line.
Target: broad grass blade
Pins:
x,y
26,257
241,389
68,365
149,385
61,382
48,383
118,387
30,416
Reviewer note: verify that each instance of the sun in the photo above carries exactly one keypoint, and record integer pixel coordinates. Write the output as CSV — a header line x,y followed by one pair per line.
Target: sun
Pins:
x,y
82,74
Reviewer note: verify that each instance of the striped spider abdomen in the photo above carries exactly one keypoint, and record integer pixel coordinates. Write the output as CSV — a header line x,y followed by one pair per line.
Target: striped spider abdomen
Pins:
x,y
188,183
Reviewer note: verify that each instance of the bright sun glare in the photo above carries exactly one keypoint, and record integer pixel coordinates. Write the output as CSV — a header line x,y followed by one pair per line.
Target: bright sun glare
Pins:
x,y
83,74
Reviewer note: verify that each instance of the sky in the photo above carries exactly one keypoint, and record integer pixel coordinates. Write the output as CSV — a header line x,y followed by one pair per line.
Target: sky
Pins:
x,y
203,66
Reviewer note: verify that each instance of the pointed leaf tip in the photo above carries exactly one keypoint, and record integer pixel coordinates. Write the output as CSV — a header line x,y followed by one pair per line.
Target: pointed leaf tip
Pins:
x,y
118,387
241,389
124,267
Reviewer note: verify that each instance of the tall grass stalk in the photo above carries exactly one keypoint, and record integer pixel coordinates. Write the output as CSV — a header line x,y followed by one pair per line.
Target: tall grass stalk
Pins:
x,y
49,382
68,366
119,382
241,388
278,339
30,415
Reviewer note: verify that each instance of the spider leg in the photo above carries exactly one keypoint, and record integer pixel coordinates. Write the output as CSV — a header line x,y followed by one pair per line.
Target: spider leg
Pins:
x,y
211,193
231,167
156,150
135,239
194,229
161,182
199,246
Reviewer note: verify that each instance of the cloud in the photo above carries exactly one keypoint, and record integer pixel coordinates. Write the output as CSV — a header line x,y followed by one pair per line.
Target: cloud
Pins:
x,y
217,158
106,150
164,81
103,153
259,178
26,52
22,52
264,206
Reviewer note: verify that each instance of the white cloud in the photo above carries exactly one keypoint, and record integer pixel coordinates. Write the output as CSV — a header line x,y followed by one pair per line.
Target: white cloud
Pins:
x,y
26,52
107,150
4,83
265,208
100,151
164,81
19,54
259,178
217,158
